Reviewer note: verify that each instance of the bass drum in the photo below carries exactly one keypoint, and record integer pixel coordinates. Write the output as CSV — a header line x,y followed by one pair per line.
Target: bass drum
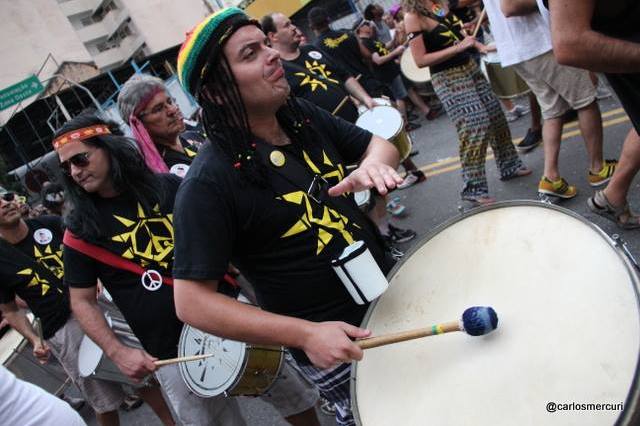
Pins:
x,y
567,301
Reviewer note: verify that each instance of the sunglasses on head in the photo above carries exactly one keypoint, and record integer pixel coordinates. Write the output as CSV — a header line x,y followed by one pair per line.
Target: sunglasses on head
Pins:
x,y
8,196
79,160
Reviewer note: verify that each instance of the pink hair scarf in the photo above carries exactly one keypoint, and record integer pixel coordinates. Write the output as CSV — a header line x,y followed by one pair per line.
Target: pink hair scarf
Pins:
x,y
152,157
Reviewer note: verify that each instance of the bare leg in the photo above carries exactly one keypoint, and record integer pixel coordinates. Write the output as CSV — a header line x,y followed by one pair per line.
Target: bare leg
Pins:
x,y
536,114
551,133
590,122
417,101
110,418
402,107
627,168
153,397
306,418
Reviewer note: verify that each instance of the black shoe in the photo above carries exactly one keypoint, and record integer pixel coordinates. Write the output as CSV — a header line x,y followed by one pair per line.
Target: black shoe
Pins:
x,y
75,403
398,235
530,141
414,153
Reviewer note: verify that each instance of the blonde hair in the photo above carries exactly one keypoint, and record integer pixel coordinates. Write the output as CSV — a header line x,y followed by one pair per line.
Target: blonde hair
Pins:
x,y
417,6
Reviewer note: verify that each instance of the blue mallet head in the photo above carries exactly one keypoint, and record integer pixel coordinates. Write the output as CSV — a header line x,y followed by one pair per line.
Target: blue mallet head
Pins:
x,y
479,320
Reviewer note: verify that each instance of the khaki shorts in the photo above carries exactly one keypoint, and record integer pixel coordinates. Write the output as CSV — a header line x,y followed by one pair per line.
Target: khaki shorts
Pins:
x,y
558,88
102,395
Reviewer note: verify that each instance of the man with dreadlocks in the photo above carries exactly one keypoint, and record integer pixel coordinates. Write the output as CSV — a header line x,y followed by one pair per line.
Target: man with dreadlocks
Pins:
x,y
257,195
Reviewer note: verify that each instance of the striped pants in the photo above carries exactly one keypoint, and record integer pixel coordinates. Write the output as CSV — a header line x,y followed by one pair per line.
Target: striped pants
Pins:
x,y
480,122
333,384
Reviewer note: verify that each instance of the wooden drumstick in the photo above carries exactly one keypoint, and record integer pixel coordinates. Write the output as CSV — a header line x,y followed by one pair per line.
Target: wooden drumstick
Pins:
x,y
170,361
344,100
475,31
475,321
37,325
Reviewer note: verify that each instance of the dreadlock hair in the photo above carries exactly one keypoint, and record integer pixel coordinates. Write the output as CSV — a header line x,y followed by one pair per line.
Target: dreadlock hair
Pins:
x,y
417,6
129,175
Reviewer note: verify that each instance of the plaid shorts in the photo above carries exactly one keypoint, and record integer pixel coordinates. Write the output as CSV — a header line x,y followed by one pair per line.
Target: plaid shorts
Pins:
x,y
334,385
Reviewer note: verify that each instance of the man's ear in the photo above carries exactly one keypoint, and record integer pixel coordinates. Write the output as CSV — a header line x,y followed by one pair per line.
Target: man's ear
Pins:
x,y
271,37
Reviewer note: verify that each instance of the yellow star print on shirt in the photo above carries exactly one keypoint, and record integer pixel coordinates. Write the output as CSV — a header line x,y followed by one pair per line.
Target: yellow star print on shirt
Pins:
x,y
149,239
333,43
36,280
318,70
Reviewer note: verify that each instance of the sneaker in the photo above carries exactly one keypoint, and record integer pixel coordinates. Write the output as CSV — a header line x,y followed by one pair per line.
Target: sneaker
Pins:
x,y
622,216
604,175
131,402
558,188
531,140
395,208
409,180
479,200
326,407
409,127
398,235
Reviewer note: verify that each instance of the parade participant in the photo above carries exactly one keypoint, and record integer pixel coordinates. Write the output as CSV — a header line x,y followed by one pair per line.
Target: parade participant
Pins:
x,y
312,75
525,44
438,41
118,204
31,267
374,13
248,197
611,36
157,124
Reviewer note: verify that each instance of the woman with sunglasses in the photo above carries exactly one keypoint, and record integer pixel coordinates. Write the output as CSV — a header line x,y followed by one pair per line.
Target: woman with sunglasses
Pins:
x,y
438,41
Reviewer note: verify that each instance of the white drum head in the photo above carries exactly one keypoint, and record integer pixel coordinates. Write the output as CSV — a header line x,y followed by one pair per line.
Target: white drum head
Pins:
x,y
213,375
362,197
384,121
568,332
89,356
380,101
411,70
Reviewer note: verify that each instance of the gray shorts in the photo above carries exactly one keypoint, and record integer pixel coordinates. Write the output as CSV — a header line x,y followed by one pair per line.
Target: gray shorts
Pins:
x,y
291,393
190,409
102,395
558,88
398,90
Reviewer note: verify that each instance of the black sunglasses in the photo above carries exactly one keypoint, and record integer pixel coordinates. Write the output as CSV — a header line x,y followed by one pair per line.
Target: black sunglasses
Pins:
x,y
79,160
8,196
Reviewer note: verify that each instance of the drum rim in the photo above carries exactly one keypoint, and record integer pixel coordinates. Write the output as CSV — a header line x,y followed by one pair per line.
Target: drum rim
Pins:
x,y
183,365
631,403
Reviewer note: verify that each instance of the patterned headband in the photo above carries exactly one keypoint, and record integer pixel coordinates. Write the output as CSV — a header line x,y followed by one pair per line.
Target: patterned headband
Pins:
x,y
80,135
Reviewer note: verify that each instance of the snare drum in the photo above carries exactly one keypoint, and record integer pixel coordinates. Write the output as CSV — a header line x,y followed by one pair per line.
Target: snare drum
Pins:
x,y
386,122
236,368
362,108
567,301
411,70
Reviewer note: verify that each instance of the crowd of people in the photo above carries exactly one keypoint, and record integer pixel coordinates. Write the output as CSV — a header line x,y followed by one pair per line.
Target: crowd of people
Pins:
x,y
263,186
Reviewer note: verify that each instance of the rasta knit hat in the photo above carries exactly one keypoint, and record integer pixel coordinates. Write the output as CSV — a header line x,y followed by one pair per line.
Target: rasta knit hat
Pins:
x,y
204,43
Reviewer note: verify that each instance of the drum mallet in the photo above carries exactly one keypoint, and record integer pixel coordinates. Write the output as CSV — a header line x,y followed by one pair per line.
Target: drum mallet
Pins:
x,y
479,24
170,361
37,324
476,321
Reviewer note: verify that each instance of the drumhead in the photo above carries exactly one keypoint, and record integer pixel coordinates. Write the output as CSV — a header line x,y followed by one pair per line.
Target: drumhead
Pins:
x,y
383,120
89,356
380,101
214,375
569,325
411,70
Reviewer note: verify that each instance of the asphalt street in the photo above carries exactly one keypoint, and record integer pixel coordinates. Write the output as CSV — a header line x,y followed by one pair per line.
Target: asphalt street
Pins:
x,y
437,200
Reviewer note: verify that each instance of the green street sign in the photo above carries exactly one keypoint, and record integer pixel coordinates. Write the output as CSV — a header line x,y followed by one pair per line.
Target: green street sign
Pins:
x,y
20,91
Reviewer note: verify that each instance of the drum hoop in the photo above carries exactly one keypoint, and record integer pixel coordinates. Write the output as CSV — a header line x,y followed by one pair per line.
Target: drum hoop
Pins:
x,y
631,403
183,365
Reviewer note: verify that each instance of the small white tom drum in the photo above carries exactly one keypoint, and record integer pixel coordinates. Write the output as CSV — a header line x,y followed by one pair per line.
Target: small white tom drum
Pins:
x,y
387,122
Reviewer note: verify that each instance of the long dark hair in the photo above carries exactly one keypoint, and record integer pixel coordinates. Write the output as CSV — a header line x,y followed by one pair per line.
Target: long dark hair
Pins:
x,y
129,175
227,118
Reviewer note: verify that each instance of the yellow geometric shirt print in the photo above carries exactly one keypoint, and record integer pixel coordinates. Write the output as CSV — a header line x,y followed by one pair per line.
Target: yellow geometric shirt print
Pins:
x,y
190,153
36,280
141,240
330,223
50,259
316,69
333,43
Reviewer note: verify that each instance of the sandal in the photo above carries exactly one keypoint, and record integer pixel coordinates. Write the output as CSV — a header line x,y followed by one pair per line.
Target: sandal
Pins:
x,y
520,172
622,216
434,113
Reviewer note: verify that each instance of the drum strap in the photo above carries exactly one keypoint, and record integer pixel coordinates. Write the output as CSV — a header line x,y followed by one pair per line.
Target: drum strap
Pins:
x,y
106,257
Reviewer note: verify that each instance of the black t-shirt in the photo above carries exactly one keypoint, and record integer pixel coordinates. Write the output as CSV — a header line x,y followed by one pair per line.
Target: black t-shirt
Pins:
x,y
447,33
387,71
145,238
316,78
178,162
40,286
280,239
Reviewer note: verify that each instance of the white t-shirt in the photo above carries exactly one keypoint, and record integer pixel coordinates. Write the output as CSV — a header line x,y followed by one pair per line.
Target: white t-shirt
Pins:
x,y
25,404
519,38
544,12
